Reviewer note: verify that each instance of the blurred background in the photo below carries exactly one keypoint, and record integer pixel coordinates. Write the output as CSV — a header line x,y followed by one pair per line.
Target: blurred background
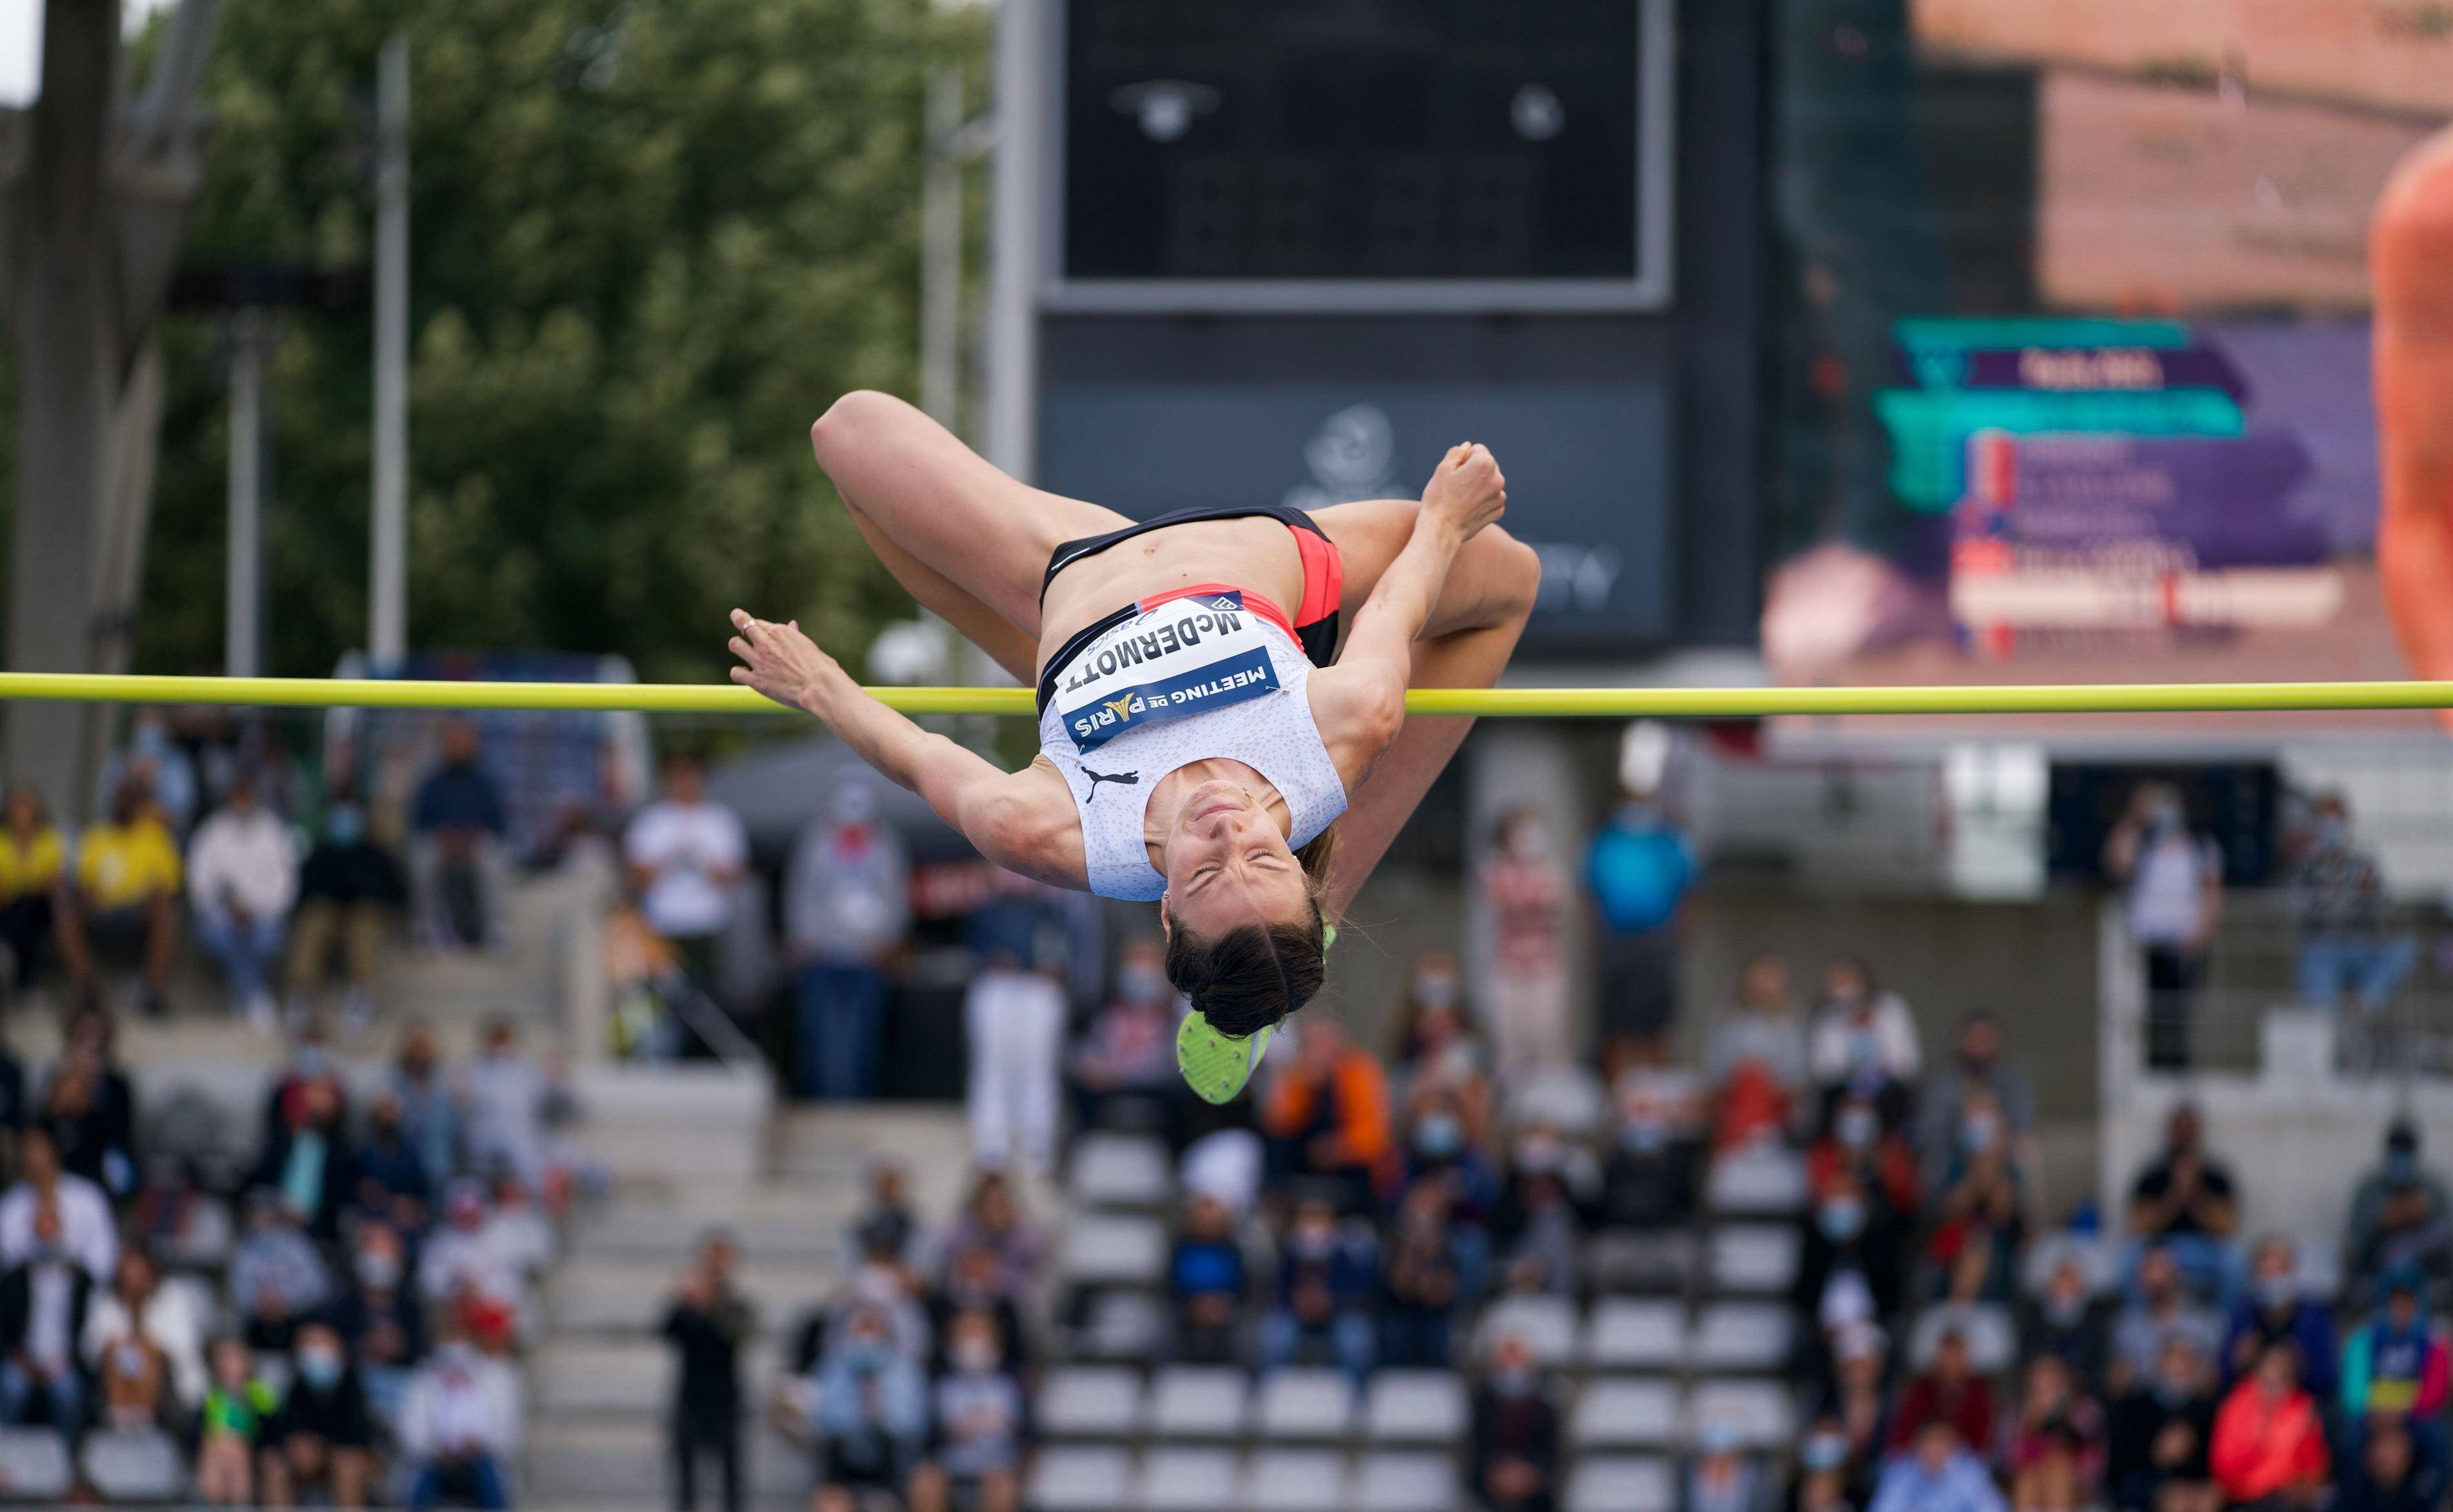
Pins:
x,y
1900,1113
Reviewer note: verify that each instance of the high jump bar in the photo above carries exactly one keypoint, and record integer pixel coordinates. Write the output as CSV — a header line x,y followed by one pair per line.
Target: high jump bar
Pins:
x,y
1490,703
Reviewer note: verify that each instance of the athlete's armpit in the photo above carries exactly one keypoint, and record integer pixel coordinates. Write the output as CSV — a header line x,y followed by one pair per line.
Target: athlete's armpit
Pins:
x,y
1026,822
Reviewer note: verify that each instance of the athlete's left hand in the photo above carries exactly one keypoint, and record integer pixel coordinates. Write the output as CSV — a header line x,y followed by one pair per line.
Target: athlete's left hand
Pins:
x,y
780,661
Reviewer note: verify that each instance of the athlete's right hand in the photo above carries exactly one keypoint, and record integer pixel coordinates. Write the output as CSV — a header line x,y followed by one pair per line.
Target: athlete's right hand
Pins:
x,y
780,661
1466,490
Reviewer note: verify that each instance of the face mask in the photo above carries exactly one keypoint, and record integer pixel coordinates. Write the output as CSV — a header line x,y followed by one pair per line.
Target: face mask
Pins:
x,y
129,1358
1529,843
1437,991
1308,1243
1537,1152
2329,832
867,1354
2277,1292
311,1060
1514,1381
2064,1312
975,1356
2172,1394
2401,1168
319,1368
1643,1135
1439,1135
1856,1126
1842,1221
148,741
1824,1451
344,824
1979,1132
378,1270
457,1355
1139,984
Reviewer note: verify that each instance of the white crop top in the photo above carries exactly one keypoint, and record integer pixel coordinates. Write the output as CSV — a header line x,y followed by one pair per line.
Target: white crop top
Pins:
x,y
1163,685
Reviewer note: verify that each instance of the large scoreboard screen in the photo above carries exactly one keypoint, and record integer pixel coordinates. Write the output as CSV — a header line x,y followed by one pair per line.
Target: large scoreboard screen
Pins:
x,y
1344,142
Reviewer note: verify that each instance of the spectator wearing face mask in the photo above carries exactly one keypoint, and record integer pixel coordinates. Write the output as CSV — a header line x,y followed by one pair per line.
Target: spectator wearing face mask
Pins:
x,y
505,1091
379,1317
2159,1305
1650,1174
308,1161
1432,1271
846,911
102,1115
981,1423
2160,1432
2400,1211
1325,1281
2338,903
276,1277
350,890
971,1282
1325,1115
429,1109
2068,1321
43,1301
1433,1040
1513,1448
1977,1060
2269,1448
2396,1367
1129,1053
1208,1280
871,1412
460,1426
1936,1473
2174,877
1440,1147
322,1437
1951,1393
1757,1058
242,879
2278,1310
1525,891
1719,1476
1828,1477
1865,1038
464,1268
87,1230
161,1324
1542,1204
707,1322
1877,1162
1980,1215
1855,1234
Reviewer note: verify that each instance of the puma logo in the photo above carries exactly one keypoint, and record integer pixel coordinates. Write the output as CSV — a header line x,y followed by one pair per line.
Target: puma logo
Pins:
x,y
1120,779
1121,707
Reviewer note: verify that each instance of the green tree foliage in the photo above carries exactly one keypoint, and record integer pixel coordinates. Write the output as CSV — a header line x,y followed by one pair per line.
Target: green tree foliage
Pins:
x,y
650,240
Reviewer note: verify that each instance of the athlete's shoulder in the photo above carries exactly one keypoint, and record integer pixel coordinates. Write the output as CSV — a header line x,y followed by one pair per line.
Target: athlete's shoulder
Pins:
x,y
1026,822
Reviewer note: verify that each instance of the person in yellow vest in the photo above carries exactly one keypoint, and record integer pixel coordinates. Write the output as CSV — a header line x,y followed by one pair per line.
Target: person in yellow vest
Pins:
x,y
125,901
32,858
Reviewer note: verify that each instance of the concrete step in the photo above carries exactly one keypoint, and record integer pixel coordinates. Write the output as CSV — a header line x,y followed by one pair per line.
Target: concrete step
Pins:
x,y
772,1230
612,1462
626,1376
593,1295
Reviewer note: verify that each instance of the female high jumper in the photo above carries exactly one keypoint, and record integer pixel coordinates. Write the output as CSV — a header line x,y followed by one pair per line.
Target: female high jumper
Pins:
x,y
1216,688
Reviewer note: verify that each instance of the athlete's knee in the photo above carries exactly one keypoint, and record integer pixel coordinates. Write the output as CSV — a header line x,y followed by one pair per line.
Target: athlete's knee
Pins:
x,y
1514,572
851,424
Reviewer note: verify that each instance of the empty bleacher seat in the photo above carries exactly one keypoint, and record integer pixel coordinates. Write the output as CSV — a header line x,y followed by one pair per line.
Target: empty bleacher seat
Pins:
x,y
1415,1406
1620,1412
1741,1336
1189,1480
1295,1481
1070,1478
1621,1482
1199,1401
1759,1412
135,1465
1090,1401
1624,1334
33,1464
1649,1261
1547,1322
1754,1258
1122,1325
1113,1250
1306,1405
1120,1170
1405,1482
1992,1336
1765,1179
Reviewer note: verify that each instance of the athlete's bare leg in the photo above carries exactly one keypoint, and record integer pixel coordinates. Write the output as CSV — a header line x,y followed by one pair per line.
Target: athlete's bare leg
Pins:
x,y
2412,256
1466,642
967,541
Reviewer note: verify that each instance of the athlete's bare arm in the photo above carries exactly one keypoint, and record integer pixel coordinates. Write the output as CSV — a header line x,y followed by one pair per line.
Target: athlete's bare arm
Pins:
x,y
2412,254
1359,704
1023,820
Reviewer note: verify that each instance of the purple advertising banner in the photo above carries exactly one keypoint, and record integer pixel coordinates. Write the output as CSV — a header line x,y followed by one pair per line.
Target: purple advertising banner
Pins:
x,y
2226,502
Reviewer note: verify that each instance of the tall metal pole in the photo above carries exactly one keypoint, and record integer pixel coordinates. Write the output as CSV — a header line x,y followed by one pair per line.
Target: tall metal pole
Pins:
x,y
242,623
388,566
1015,238
941,253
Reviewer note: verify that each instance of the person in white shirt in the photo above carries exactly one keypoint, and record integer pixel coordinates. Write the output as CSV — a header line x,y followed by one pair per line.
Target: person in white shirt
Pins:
x,y
2174,878
459,1424
42,1310
1015,1019
1864,1036
85,1229
140,1305
465,1259
502,1093
242,879
685,853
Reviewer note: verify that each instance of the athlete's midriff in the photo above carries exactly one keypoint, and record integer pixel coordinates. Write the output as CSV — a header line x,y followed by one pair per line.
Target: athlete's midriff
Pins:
x,y
1256,554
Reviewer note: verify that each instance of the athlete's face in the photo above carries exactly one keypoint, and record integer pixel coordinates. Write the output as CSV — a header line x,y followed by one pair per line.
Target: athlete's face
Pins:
x,y
1228,864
